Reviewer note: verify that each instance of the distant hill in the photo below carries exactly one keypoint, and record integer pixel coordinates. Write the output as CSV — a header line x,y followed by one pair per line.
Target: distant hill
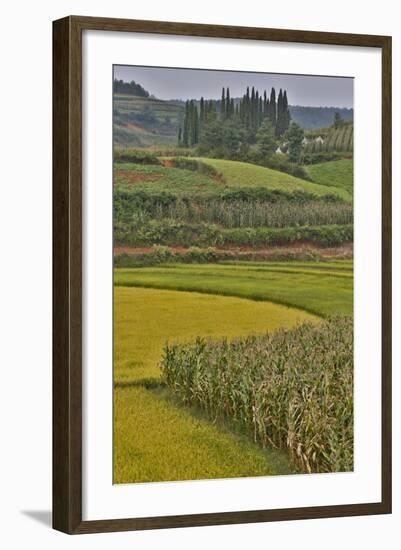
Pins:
x,y
143,121
317,117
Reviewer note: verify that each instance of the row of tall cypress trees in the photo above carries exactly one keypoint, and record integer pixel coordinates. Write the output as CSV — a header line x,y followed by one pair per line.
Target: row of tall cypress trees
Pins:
x,y
250,111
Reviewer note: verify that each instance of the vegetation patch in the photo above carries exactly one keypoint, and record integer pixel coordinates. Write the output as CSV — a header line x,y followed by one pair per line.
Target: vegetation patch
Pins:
x,y
139,156
158,255
173,232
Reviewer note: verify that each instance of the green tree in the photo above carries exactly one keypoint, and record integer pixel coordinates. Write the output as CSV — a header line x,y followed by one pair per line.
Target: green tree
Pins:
x,y
295,135
338,121
213,134
185,136
273,107
233,136
223,104
228,104
202,110
286,113
265,139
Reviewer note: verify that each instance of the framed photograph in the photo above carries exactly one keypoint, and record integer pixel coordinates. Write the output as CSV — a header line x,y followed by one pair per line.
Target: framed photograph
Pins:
x,y
222,275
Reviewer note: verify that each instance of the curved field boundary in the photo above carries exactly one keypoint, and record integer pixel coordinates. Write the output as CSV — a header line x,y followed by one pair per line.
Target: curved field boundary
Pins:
x,y
155,438
318,293
244,174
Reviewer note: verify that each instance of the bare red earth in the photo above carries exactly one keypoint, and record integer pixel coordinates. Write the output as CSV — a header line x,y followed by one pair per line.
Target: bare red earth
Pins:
x,y
132,177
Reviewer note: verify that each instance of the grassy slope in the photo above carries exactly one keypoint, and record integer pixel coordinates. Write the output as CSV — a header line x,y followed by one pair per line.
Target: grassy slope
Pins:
x,y
160,178
155,439
322,289
337,173
236,174
243,174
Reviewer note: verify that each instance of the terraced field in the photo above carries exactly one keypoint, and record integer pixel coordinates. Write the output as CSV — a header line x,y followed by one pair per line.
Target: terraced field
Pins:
x,y
156,438
145,121
320,288
154,178
243,174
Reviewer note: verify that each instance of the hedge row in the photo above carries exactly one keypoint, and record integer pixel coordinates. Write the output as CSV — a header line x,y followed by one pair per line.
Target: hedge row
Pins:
x,y
175,233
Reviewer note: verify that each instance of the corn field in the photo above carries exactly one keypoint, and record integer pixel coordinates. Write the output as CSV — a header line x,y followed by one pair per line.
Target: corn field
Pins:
x,y
291,389
256,214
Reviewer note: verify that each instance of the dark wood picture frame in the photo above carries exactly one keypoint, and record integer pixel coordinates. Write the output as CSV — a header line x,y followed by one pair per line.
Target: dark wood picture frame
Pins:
x,y
67,274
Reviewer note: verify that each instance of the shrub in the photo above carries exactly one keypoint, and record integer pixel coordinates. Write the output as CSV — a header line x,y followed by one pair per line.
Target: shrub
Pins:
x,y
324,156
138,156
196,166
281,163
178,233
326,235
292,389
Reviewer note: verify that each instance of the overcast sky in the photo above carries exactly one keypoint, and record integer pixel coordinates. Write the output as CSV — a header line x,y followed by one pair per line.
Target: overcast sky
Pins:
x,y
173,83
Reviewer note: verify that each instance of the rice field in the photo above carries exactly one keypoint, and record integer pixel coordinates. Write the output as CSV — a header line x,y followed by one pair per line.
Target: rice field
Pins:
x,y
155,438
322,288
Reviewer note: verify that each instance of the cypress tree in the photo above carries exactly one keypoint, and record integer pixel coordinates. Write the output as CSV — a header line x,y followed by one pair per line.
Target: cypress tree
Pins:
x,y
228,103
185,137
252,108
223,104
194,126
202,110
179,136
279,122
286,113
264,104
273,109
247,108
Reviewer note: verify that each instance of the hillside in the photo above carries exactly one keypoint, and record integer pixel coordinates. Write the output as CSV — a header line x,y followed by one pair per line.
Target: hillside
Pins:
x,y
146,121
243,174
317,117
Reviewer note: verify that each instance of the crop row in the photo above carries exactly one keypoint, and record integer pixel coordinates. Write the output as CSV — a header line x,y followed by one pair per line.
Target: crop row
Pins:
x,y
292,389
340,139
239,213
